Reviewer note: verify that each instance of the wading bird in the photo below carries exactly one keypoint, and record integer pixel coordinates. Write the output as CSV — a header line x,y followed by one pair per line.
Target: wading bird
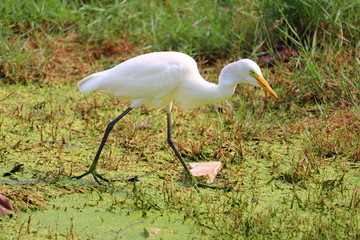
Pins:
x,y
158,79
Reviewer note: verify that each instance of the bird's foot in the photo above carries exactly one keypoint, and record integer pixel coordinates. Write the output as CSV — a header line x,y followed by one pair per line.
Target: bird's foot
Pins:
x,y
191,180
96,176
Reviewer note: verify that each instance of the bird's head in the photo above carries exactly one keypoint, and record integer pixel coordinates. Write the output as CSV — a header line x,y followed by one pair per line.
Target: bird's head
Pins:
x,y
250,72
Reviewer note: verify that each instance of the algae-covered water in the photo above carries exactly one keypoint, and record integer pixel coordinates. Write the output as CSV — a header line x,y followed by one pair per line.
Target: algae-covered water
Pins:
x,y
281,179
80,216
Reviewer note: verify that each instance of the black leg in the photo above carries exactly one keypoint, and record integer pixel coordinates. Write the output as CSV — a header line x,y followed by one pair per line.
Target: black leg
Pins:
x,y
171,142
92,169
190,177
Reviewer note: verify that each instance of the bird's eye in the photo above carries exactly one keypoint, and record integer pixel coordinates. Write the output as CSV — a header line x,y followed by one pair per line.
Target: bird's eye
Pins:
x,y
252,73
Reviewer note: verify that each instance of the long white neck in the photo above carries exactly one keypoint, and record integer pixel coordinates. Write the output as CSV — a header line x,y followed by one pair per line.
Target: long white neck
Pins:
x,y
226,86
203,92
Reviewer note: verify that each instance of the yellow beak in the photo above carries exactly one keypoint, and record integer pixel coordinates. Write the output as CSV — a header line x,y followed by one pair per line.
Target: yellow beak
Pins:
x,y
264,84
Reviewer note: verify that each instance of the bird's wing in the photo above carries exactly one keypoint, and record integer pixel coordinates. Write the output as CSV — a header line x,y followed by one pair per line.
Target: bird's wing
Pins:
x,y
149,80
136,78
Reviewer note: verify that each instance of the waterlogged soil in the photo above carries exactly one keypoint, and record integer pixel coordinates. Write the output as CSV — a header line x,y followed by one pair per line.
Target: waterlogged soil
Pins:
x,y
94,216
282,177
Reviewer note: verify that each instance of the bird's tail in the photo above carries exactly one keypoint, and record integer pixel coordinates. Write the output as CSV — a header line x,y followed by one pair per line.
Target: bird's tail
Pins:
x,y
90,83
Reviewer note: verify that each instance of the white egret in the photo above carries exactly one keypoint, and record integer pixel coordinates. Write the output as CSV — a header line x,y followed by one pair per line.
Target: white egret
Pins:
x,y
158,79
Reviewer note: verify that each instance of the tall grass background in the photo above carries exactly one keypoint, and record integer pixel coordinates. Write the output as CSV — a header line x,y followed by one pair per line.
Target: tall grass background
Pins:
x,y
325,35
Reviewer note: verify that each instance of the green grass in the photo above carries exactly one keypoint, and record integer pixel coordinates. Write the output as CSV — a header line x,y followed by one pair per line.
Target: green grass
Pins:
x,y
291,167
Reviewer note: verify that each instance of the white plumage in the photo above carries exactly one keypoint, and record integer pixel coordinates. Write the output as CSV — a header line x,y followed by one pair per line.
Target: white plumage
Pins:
x,y
161,78
156,79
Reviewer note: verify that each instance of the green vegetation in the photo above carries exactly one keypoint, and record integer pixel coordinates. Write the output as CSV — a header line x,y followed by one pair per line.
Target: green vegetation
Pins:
x,y
291,167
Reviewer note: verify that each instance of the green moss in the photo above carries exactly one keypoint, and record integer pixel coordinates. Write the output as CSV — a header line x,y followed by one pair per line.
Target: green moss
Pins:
x,y
92,216
277,185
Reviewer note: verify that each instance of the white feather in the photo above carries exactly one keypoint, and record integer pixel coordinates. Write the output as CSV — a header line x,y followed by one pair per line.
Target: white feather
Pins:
x,y
157,79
